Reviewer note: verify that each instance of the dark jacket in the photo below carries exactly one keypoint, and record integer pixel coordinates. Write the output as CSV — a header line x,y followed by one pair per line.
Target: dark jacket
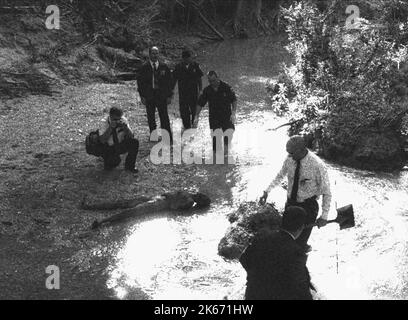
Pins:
x,y
188,79
145,82
276,268
219,104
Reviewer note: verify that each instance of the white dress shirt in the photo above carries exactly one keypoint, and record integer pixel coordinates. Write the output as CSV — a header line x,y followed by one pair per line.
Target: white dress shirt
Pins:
x,y
313,180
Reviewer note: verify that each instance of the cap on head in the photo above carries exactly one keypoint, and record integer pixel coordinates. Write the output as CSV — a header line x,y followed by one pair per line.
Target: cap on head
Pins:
x,y
294,219
116,112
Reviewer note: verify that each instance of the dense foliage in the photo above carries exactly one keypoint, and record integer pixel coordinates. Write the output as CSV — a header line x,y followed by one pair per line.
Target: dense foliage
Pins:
x,y
348,86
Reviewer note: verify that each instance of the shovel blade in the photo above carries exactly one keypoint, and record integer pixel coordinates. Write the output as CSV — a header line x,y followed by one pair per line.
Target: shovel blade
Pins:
x,y
345,217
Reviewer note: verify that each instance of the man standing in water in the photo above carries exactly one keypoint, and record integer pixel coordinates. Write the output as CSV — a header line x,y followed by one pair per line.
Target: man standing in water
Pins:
x,y
307,180
188,75
222,103
155,86
276,264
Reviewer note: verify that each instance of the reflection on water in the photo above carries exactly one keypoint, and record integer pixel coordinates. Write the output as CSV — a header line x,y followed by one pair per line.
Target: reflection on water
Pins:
x,y
176,258
371,258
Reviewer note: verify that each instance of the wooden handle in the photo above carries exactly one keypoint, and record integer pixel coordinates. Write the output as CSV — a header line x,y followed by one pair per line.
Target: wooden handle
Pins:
x,y
315,224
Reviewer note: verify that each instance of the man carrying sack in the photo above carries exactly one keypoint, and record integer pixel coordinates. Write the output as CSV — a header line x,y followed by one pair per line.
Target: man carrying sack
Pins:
x,y
276,264
307,180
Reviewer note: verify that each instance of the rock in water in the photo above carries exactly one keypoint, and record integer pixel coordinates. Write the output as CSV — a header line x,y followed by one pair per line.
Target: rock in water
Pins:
x,y
249,219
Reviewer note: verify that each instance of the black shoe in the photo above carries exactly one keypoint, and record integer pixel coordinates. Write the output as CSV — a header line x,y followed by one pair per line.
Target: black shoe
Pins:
x,y
132,170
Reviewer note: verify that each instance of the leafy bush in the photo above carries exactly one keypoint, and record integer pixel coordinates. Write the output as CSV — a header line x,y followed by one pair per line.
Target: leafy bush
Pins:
x,y
348,82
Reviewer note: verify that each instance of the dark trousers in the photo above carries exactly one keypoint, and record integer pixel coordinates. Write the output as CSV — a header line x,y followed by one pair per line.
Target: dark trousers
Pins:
x,y
311,207
161,106
227,143
188,107
111,154
224,127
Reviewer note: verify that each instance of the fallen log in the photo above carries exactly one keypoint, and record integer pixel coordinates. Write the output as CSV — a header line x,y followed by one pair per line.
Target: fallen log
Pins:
x,y
203,18
119,59
208,23
204,36
126,76
174,201
249,219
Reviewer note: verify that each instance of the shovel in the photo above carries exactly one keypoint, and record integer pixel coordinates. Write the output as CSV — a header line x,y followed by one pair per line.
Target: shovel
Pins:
x,y
345,218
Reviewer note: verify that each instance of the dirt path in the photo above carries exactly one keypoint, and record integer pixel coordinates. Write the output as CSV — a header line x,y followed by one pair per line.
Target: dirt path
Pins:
x,y
45,173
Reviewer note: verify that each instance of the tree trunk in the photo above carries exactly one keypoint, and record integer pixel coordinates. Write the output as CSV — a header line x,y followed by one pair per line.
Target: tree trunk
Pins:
x,y
237,14
171,9
258,10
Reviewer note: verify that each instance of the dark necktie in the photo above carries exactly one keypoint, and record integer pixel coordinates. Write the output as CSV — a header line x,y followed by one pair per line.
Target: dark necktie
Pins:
x,y
115,140
155,79
295,187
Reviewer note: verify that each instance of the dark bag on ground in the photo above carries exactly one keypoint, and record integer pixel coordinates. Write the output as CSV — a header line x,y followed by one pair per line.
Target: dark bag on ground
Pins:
x,y
93,145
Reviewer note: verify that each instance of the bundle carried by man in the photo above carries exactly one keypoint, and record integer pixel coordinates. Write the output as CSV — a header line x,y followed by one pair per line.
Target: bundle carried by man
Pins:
x,y
248,220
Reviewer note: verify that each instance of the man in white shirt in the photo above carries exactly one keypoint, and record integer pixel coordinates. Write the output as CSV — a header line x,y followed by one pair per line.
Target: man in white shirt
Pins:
x,y
117,138
307,181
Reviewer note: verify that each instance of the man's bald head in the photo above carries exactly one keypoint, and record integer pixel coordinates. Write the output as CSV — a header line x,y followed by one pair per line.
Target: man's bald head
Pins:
x,y
296,147
154,54
297,141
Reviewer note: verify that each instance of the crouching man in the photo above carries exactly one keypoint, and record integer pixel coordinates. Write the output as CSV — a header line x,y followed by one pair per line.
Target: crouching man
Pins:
x,y
117,138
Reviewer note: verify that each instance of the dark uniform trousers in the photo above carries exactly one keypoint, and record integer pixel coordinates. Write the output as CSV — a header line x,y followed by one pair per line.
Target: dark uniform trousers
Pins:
x,y
188,79
224,126
188,107
220,110
159,103
111,154
311,207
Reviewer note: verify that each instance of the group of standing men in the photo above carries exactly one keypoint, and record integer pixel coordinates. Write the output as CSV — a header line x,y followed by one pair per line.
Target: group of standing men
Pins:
x,y
156,83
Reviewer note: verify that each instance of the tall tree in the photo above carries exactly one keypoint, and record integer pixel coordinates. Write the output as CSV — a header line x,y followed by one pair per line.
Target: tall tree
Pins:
x,y
237,14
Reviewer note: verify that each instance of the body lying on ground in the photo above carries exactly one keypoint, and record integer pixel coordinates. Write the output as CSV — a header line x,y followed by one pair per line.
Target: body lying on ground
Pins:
x,y
141,206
